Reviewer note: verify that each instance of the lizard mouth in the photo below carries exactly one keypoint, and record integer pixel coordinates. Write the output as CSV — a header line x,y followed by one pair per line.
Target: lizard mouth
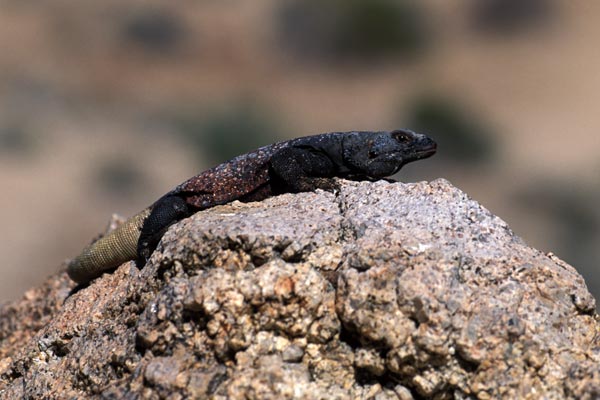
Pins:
x,y
427,151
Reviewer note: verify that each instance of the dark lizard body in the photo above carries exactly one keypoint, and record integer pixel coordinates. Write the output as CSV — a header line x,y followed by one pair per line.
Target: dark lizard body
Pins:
x,y
297,165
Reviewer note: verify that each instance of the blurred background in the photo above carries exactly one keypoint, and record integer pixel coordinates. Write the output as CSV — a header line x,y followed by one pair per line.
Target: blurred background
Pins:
x,y
105,106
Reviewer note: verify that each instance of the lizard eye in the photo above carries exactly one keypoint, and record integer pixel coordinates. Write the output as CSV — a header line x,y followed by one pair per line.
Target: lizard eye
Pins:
x,y
402,138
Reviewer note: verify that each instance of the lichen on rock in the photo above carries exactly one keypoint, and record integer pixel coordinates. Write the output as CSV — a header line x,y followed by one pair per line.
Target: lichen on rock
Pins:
x,y
381,290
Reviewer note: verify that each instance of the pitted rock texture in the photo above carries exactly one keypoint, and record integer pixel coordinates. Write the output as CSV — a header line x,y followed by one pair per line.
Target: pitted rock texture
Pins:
x,y
381,291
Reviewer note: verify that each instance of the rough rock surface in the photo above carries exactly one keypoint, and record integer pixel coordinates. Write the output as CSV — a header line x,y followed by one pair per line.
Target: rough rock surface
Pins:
x,y
380,291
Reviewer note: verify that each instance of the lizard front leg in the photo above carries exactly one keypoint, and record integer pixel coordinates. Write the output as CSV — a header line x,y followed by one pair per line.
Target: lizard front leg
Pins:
x,y
165,212
299,169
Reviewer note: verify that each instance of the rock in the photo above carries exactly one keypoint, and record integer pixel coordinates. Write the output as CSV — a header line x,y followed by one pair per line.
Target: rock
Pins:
x,y
380,291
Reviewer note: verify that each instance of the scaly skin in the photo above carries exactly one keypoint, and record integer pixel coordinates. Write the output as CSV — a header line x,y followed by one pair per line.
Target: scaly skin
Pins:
x,y
110,251
297,165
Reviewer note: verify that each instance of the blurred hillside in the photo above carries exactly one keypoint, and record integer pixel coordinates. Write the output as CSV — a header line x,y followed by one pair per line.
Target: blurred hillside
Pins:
x,y
105,106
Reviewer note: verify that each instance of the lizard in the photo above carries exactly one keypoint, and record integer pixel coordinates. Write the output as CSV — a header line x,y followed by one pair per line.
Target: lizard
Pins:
x,y
298,165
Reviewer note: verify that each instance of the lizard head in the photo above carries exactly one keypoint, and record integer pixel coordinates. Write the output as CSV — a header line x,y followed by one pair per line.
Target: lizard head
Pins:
x,y
381,154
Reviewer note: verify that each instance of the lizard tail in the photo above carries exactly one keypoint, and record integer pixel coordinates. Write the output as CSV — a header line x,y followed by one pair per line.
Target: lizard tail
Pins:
x,y
108,252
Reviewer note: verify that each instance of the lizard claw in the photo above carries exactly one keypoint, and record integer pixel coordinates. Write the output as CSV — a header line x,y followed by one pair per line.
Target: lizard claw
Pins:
x,y
327,184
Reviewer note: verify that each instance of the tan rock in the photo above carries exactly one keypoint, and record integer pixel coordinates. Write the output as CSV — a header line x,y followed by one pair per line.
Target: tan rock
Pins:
x,y
379,291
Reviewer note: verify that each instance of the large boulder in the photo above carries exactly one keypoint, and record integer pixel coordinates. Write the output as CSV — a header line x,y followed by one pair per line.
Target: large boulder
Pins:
x,y
379,291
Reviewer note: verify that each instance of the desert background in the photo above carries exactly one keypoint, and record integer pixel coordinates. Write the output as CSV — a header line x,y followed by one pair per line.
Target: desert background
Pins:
x,y
105,106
